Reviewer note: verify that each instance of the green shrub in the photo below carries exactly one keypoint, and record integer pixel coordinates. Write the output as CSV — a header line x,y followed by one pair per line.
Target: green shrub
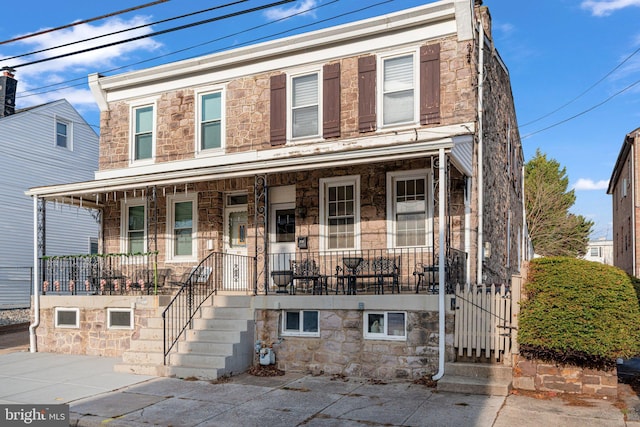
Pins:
x,y
578,312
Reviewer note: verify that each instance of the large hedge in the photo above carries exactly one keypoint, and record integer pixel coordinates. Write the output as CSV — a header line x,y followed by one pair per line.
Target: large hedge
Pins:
x,y
578,312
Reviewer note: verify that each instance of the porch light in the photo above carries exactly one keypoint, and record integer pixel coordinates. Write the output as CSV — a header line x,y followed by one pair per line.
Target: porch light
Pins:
x,y
301,211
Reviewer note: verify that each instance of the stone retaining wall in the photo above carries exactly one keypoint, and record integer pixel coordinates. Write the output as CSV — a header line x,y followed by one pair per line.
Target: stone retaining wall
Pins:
x,y
535,375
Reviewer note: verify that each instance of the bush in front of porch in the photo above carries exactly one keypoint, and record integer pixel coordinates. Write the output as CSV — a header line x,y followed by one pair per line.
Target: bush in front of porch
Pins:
x,y
579,313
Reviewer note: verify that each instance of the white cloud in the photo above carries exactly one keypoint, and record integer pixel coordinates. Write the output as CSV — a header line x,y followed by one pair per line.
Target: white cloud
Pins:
x,y
607,7
286,12
589,184
63,69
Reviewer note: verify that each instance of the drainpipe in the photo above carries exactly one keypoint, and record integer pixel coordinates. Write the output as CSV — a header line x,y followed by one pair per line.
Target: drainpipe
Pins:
x,y
441,276
480,153
36,295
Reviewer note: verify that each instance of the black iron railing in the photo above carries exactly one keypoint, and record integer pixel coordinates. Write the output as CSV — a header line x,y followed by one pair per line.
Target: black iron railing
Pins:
x,y
99,274
364,271
218,271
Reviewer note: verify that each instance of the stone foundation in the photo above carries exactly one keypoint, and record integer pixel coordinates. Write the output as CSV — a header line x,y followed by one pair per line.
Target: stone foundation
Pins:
x,y
535,375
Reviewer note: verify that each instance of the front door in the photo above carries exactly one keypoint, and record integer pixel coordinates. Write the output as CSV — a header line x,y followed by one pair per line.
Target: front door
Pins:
x,y
236,274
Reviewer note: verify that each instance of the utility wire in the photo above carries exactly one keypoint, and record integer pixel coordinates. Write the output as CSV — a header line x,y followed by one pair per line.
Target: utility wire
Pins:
x,y
123,31
97,18
584,111
157,33
584,92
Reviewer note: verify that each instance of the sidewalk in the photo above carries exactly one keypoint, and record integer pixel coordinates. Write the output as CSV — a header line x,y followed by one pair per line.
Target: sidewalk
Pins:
x,y
97,395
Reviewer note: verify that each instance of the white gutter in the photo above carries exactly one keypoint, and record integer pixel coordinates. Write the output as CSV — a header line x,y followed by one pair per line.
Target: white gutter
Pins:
x,y
36,293
441,276
480,153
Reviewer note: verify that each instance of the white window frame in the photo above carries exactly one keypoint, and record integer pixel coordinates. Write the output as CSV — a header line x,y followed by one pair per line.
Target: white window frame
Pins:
x,y
392,178
299,332
198,130
124,222
76,310
325,183
171,201
119,310
69,135
290,78
416,88
132,132
384,334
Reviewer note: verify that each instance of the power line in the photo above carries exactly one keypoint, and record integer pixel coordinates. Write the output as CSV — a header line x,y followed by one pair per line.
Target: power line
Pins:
x,y
122,31
97,18
157,33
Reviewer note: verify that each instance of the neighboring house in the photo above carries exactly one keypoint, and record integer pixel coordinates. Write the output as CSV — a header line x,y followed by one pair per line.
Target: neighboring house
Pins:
x,y
351,160
626,205
600,250
41,145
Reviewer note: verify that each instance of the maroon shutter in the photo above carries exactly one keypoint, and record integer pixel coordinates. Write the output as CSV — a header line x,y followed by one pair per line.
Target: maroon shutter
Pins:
x,y
331,100
367,93
430,84
278,109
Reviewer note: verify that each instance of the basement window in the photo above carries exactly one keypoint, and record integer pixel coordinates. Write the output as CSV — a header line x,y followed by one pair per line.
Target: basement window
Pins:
x,y
119,318
67,317
387,325
301,323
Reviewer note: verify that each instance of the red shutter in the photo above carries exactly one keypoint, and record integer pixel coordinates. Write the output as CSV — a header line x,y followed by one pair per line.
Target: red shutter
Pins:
x,y
430,84
278,109
367,93
331,100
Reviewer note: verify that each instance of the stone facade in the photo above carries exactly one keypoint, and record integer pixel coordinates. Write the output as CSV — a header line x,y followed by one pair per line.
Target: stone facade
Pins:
x,y
535,375
342,349
92,337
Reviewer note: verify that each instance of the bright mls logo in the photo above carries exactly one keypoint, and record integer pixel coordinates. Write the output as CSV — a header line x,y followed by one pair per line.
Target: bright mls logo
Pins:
x,y
34,415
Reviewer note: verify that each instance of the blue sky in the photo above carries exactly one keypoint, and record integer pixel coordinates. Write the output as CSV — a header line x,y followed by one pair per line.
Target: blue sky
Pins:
x,y
572,64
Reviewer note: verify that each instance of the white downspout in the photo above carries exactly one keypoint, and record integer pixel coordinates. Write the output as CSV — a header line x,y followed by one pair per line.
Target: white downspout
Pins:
x,y
36,295
480,153
441,257
467,228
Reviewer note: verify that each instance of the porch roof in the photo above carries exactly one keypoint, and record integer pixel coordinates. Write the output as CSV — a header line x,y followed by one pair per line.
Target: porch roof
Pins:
x,y
276,160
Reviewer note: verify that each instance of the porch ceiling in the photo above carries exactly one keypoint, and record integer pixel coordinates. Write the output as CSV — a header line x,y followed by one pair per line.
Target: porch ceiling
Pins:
x,y
242,165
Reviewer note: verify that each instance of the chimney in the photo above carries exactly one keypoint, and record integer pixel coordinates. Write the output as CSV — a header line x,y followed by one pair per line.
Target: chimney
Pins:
x,y
7,92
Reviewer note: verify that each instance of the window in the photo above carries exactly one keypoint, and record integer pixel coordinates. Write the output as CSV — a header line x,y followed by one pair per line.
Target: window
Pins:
x,y
385,325
398,83
594,251
63,134
408,205
211,129
340,209
285,225
301,322
67,317
93,245
119,318
143,125
304,106
134,226
182,222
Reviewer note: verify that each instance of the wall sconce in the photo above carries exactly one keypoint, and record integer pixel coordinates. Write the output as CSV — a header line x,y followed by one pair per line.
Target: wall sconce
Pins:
x,y
301,212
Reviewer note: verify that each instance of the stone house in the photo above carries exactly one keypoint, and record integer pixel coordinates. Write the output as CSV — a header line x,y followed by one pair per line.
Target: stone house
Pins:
x,y
623,191
317,197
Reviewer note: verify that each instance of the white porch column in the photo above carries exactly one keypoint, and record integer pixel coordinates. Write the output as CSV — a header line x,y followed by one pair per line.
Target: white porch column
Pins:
x,y
36,279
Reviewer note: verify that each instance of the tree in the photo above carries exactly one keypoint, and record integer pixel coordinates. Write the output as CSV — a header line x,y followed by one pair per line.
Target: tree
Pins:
x,y
553,229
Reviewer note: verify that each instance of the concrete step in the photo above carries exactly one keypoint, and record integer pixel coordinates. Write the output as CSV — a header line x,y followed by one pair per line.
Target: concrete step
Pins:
x,y
479,370
469,385
146,345
141,369
233,301
212,336
220,324
197,361
211,348
240,313
143,357
200,373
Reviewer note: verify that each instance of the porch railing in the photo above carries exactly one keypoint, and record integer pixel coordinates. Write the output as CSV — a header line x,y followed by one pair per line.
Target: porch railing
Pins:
x,y
367,271
93,274
218,271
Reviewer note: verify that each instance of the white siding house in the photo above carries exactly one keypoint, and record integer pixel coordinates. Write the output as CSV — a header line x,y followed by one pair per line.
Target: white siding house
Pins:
x,y
41,145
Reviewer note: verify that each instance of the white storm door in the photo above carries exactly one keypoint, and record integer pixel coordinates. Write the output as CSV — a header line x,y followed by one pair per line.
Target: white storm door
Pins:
x,y
236,272
282,239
